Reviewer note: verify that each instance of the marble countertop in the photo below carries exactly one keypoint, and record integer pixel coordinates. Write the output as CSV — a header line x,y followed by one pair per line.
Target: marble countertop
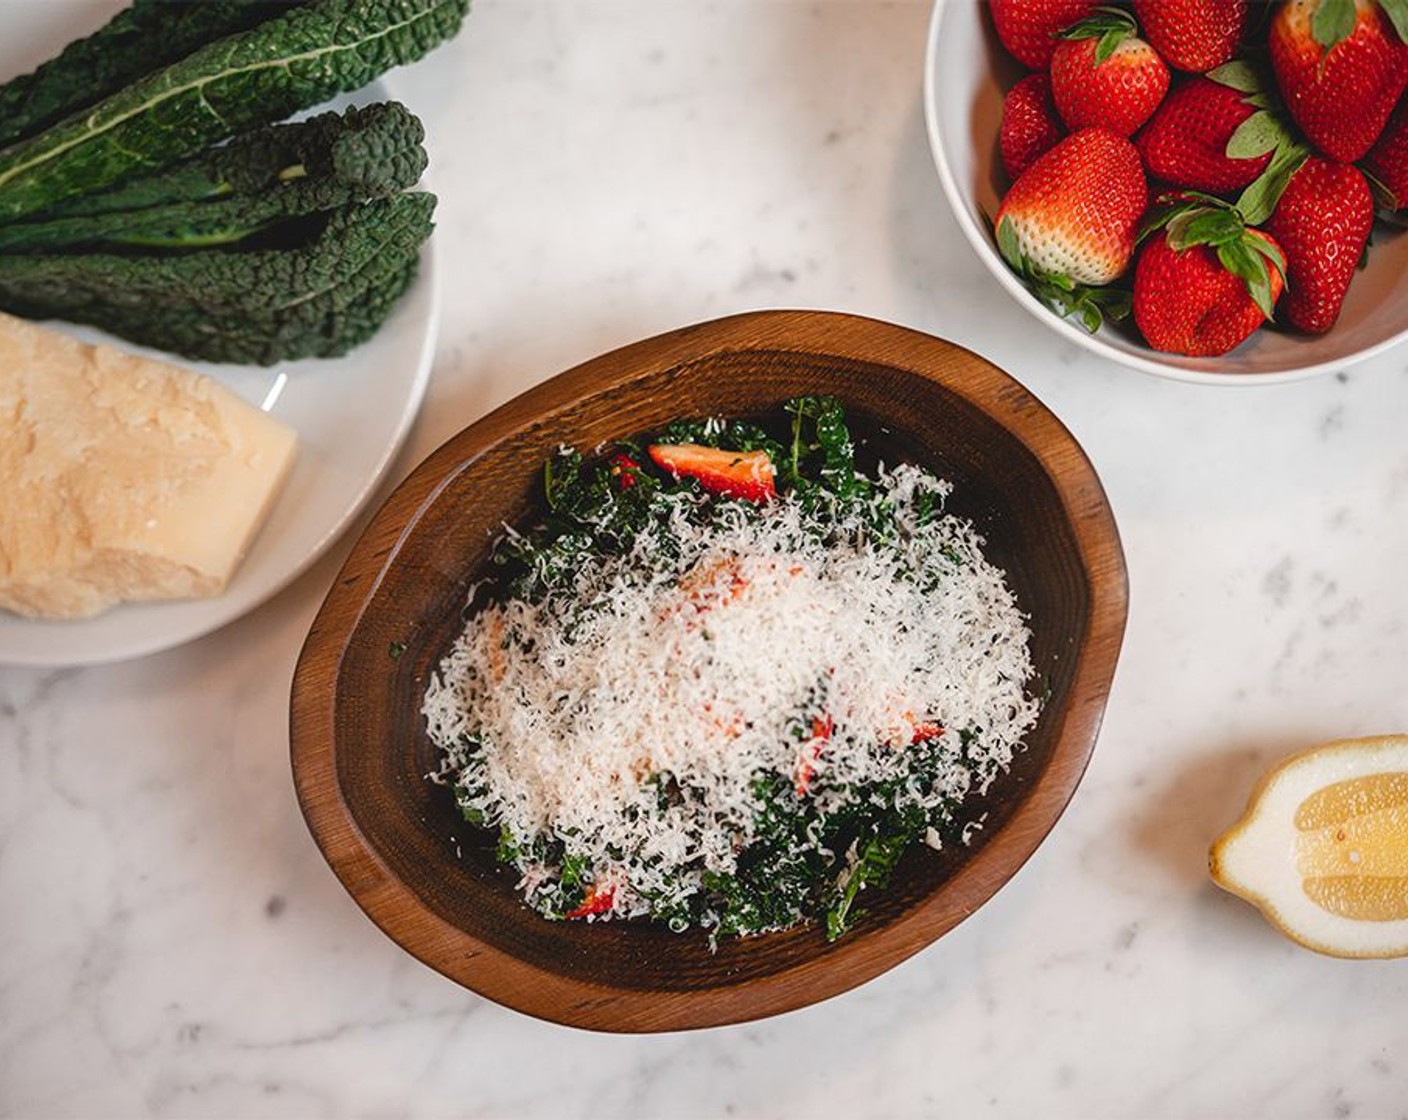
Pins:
x,y
172,943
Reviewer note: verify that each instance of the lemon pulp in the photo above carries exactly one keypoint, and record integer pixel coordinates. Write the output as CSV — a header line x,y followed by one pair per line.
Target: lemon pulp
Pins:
x,y
1352,850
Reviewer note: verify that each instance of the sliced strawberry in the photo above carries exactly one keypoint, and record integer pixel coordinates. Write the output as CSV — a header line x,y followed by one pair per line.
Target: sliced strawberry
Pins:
x,y
735,474
822,726
599,900
713,582
624,470
926,730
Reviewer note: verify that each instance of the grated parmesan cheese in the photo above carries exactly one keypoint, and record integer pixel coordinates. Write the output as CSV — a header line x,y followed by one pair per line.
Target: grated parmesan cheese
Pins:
x,y
712,653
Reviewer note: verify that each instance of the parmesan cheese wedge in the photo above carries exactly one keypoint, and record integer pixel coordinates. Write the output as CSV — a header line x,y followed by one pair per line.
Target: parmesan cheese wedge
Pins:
x,y
123,478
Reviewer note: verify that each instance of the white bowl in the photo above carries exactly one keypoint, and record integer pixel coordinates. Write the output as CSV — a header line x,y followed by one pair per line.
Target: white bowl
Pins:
x,y
966,73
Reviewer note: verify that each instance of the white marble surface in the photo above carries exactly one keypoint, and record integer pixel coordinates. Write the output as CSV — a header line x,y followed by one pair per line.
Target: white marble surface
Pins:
x,y
172,944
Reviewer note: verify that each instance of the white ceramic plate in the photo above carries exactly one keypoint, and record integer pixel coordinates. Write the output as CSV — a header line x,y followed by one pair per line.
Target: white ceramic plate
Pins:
x,y
966,72
351,414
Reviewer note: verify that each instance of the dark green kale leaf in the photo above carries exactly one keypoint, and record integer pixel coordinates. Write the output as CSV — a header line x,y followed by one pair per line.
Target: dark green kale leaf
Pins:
x,y
563,487
780,876
363,147
361,155
821,451
593,511
318,299
291,62
881,833
873,868
139,39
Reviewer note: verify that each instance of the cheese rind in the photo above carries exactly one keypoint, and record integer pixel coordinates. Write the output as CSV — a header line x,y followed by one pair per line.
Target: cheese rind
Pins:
x,y
123,478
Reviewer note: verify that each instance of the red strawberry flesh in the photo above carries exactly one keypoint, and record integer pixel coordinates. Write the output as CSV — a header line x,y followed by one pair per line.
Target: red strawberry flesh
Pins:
x,y
1030,125
735,474
1119,92
1322,222
1340,97
1028,28
1194,35
1185,144
1076,210
598,901
624,470
822,727
1187,302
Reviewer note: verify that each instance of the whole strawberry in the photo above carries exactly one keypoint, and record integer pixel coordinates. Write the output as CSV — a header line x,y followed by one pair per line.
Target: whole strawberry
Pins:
x,y
1028,28
1104,76
1341,66
1030,126
1195,35
1387,160
1205,282
1322,222
1187,142
1071,220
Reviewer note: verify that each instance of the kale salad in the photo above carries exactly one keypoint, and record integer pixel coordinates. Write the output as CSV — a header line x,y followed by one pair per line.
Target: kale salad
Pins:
x,y
728,680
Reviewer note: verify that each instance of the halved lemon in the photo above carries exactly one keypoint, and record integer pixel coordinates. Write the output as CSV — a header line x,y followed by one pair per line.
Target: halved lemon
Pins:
x,y
1322,850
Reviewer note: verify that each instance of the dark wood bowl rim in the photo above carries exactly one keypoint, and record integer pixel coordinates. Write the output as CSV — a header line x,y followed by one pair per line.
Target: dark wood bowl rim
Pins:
x,y
397,910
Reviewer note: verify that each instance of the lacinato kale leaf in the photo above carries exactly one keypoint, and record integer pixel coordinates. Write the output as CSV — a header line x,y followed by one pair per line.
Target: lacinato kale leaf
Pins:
x,y
362,147
593,510
322,164
317,299
873,867
136,41
291,62
821,451
324,327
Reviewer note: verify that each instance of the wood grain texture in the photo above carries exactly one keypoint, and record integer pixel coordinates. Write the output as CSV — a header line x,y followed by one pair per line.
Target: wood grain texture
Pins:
x,y
359,749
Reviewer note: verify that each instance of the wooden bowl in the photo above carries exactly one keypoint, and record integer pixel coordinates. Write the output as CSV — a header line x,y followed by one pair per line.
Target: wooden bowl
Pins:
x,y
361,754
